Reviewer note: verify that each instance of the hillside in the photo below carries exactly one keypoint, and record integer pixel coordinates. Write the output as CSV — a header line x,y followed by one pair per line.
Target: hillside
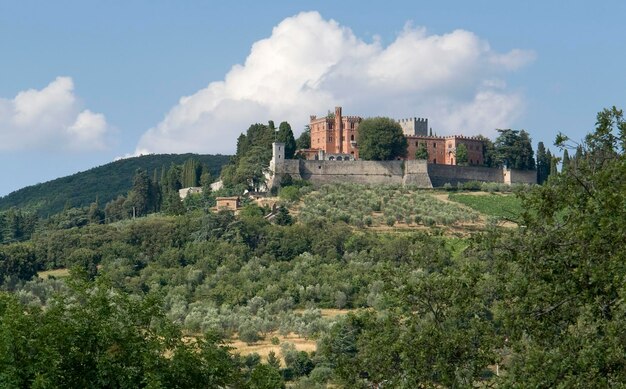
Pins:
x,y
104,182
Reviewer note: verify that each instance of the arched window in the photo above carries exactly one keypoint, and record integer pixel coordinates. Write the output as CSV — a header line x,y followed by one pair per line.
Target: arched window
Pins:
x,y
352,136
339,158
331,158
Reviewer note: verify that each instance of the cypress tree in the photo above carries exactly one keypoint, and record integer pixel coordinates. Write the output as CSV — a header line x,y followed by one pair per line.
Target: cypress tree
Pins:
x,y
566,161
285,135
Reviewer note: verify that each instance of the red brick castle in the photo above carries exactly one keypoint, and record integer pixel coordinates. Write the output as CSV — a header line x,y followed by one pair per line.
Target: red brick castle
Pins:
x,y
333,137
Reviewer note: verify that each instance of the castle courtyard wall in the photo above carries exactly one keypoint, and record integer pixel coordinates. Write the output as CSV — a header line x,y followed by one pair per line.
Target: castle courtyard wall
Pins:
x,y
360,172
453,174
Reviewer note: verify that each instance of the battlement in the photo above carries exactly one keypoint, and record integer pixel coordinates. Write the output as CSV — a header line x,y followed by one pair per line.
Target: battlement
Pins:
x,y
463,137
413,120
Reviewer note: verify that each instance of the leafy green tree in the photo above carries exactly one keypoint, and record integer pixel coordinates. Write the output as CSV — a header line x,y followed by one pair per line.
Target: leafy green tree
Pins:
x,y
94,336
17,262
285,135
381,139
489,152
140,197
283,218
513,149
561,287
96,215
461,155
421,152
114,210
266,377
304,140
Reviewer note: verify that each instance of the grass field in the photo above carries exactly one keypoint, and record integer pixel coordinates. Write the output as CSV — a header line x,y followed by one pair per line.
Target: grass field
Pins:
x,y
498,205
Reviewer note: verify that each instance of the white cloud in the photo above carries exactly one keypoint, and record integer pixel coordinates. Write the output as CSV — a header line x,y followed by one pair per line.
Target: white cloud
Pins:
x,y
51,118
309,64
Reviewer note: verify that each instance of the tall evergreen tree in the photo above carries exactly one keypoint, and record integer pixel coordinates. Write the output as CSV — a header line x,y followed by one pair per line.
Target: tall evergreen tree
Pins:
x,y
140,196
543,163
304,140
566,163
285,135
553,166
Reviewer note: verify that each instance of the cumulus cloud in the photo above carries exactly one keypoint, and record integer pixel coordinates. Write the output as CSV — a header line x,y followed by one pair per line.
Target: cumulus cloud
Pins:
x,y
309,65
50,118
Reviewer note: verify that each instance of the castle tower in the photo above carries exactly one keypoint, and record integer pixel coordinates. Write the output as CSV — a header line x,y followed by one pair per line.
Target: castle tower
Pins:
x,y
278,155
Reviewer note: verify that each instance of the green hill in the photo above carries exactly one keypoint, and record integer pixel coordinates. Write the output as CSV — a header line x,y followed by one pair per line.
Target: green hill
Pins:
x,y
104,182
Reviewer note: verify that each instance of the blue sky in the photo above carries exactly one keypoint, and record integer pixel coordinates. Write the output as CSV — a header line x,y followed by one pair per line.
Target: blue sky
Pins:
x,y
84,82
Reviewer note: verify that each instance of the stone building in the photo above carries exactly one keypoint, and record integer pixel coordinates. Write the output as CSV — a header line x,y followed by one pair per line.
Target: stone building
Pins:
x,y
414,126
230,203
333,137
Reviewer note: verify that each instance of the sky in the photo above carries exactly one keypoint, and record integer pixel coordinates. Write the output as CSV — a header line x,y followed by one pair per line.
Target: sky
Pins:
x,y
85,82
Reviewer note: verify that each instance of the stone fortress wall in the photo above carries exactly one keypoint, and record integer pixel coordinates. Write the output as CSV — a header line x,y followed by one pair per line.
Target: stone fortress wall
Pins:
x,y
409,172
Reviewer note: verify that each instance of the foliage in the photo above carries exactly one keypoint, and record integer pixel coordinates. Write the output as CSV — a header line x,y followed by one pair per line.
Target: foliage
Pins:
x,y
513,149
104,183
543,163
304,140
489,152
422,151
285,135
461,155
93,336
381,139
540,305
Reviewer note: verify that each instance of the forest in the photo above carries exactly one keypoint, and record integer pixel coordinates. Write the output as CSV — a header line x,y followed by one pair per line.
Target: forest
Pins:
x,y
103,183
427,289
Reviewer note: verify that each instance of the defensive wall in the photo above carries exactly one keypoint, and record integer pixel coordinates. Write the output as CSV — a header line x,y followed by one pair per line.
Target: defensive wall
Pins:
x,y
410,172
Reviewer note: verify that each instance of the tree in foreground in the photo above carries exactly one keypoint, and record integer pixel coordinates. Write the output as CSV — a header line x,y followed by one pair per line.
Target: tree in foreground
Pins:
x,y
93,336
562,282
381,139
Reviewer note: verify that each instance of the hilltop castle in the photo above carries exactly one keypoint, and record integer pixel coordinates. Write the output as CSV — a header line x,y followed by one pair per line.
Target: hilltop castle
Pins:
x,y
333,137
334,157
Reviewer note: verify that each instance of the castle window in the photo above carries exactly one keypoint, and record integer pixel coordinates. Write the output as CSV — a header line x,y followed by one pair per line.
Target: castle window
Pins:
x,y
330,126
352,128
416,144
435,146
352,136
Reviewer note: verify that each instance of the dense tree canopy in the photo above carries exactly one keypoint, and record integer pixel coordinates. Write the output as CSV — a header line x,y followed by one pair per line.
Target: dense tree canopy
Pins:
x,y
381,139
513,149
304,140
